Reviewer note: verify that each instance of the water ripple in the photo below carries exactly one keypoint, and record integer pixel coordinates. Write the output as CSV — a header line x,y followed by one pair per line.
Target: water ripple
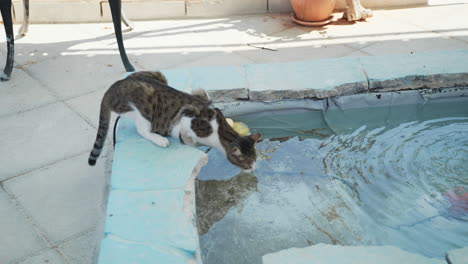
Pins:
x,y
404,184
412,178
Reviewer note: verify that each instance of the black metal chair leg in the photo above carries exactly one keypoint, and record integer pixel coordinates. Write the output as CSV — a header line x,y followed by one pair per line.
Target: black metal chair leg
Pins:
x,y
5,9
115,6
25,26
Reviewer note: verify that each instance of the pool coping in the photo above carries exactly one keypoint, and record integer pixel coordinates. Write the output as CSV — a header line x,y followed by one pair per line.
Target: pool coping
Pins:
x,y
319,79
150,210
249,84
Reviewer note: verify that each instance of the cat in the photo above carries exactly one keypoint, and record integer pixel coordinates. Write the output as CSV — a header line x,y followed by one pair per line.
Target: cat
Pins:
x,y
160,110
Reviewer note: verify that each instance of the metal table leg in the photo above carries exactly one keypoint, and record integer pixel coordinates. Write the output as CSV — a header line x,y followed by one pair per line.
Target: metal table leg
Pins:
x,y
5,9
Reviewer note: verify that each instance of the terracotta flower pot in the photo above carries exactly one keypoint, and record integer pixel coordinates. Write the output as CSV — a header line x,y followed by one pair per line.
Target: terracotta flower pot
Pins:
x,y
313,10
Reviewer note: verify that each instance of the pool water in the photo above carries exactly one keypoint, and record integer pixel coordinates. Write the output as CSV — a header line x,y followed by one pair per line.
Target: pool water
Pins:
x,y
395,175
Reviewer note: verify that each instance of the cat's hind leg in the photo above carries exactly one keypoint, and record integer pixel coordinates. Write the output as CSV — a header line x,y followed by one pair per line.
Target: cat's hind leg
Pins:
x,y
143,127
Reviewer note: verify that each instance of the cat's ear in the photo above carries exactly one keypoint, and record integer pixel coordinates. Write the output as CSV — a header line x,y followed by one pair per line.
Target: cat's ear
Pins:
x,y
211,114
235,150
255,137
217,111
201,94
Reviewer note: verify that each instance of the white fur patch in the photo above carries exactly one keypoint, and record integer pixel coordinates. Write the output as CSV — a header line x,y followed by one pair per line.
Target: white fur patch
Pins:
x,y
184,129
213,139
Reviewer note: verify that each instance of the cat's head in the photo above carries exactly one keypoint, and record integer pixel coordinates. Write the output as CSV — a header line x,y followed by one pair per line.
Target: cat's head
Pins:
x,y
241,152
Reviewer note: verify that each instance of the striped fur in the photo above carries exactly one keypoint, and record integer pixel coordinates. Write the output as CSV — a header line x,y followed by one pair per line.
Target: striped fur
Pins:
x,y
104,119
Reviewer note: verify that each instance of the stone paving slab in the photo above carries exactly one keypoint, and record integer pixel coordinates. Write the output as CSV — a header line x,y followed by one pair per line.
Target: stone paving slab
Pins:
x,y
23,94
66,189
419,42
88,106
88,80
216,60
53,40
40,137
16,229
82,249
285,53
50,256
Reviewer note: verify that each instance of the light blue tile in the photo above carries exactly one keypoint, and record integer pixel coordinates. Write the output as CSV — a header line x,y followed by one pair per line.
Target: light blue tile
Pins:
x,y
178,79
145,218
151,217
222,83
126,130
317,78
314,74
382,68
141,165
218,78
208,78
127,252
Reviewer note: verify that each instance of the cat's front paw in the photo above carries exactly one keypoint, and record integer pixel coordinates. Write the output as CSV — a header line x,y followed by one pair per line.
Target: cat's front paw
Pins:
x,y
159,140
162,142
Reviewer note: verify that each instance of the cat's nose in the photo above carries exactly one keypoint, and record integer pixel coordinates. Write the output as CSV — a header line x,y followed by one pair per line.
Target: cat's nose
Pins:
x,y
252,167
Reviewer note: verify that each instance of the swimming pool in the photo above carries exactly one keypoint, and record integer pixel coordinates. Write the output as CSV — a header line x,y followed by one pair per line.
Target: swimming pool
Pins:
x,y
374,169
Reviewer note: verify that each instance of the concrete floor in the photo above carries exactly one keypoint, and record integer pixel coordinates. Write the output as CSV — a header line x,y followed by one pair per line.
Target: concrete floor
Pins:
x,y
50,199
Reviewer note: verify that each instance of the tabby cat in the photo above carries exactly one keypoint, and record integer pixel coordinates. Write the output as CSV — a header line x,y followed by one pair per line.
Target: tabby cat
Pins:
x,y
160,110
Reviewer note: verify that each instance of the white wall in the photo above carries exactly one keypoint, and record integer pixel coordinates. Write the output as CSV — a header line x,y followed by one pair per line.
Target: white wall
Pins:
x,y
59,11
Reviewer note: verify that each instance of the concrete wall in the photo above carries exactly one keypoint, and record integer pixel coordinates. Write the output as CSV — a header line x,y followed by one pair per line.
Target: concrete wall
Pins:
x,y
75,11
282,5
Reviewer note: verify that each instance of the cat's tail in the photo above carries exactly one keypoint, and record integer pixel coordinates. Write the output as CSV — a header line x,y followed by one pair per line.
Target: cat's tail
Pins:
x,y
104,120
